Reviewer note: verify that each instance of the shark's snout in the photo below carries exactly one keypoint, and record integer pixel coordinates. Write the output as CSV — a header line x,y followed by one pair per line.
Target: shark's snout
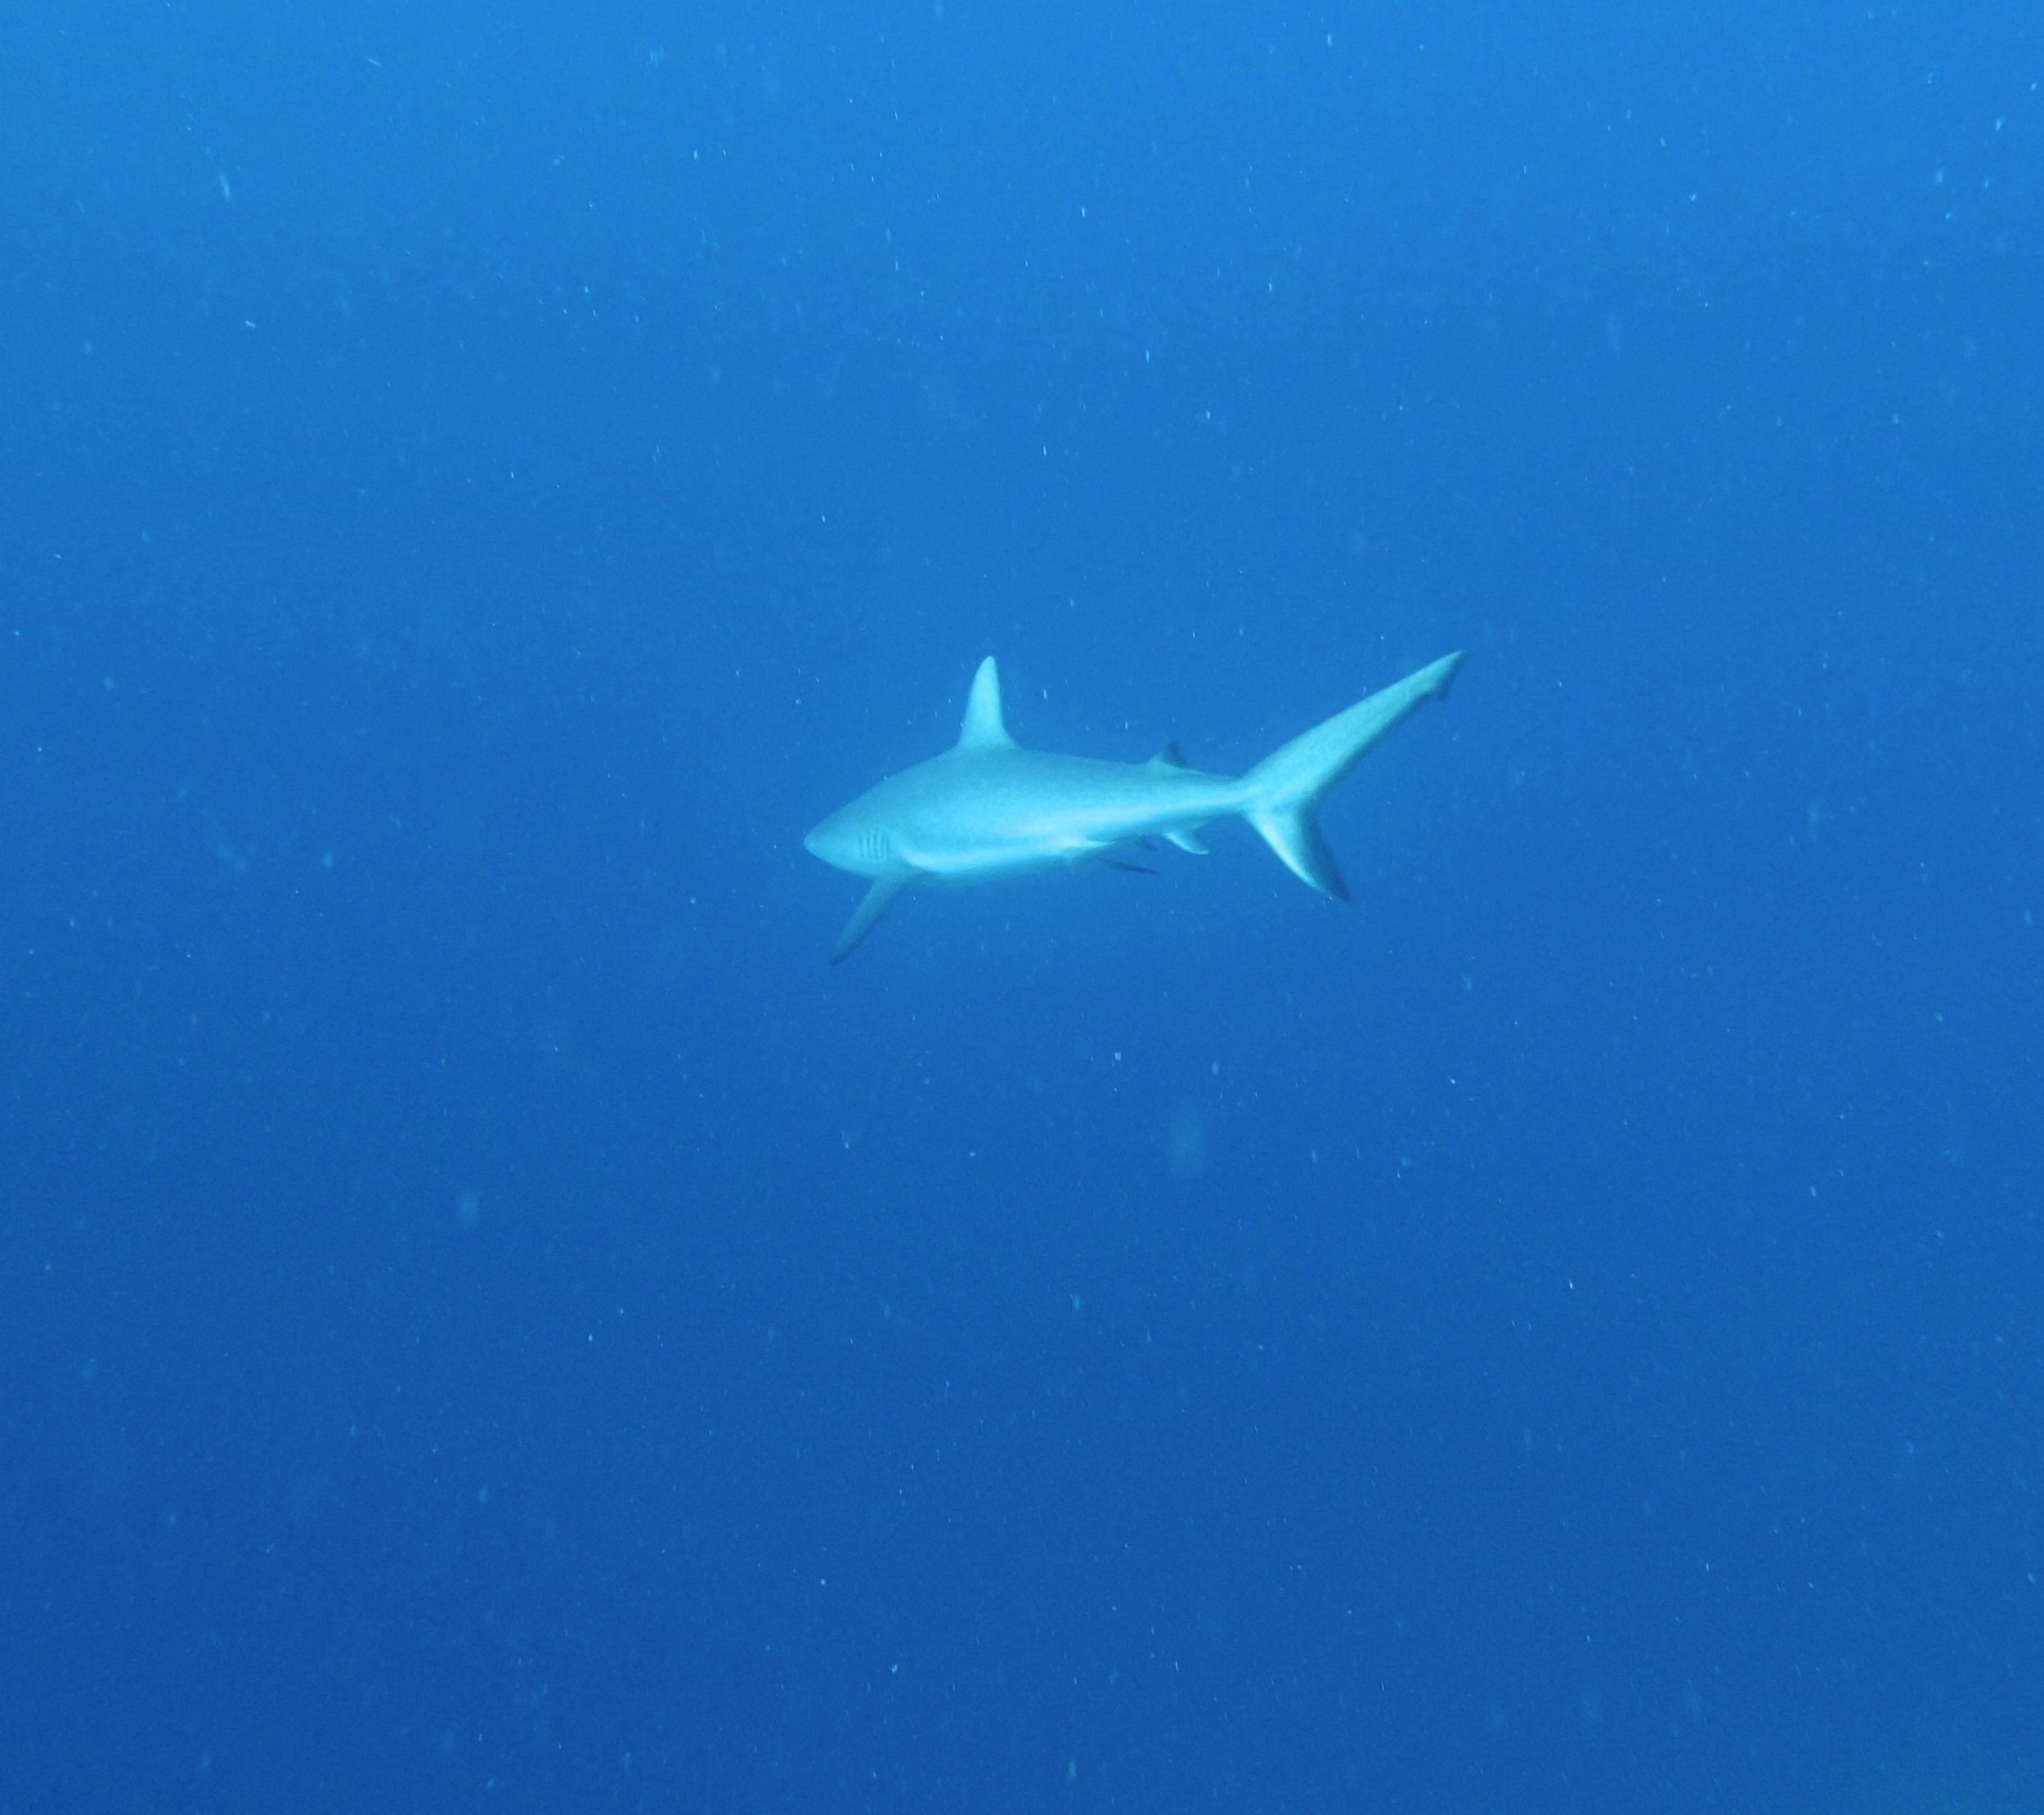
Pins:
x,y
853,838
835,842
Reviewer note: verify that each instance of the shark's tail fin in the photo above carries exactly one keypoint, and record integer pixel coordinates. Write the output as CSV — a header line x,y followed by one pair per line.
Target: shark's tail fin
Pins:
x,y
1284,792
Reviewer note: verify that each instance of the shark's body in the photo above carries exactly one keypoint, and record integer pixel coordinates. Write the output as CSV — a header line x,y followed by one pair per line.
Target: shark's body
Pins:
x,y
988,808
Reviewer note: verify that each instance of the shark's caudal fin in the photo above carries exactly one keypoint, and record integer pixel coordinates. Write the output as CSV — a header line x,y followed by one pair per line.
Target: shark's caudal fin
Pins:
x,y
1284,791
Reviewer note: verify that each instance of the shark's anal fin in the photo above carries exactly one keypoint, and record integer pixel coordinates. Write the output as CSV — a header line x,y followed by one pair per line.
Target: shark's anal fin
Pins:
x,y
879,899
1187,838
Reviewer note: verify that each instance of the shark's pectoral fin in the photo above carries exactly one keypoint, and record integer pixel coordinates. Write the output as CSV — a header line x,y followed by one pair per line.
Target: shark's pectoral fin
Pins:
x,y
879,899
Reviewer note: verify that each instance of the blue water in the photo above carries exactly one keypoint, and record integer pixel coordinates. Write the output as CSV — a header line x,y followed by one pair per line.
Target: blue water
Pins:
x,y
489,1320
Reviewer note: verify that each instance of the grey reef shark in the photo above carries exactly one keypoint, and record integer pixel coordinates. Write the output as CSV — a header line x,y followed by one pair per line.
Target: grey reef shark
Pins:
x,y
988,808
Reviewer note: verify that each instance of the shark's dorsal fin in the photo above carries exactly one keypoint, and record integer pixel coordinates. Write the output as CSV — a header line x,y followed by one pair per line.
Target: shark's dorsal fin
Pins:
x,y
1169,757
983,728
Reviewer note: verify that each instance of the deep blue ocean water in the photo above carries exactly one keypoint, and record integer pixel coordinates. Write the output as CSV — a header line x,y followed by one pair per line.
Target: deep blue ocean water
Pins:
x,y
489,1320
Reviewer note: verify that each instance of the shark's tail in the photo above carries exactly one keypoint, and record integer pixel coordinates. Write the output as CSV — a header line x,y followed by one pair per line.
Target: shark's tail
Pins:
x,y
1284,792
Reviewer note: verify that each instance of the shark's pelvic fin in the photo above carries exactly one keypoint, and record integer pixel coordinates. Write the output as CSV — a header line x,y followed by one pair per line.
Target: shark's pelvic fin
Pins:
x,y
1284,791
879,899
983,728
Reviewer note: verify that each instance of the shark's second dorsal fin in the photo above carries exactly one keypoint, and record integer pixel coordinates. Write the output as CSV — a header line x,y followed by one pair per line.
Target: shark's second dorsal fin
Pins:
x,y
1169,757
983,728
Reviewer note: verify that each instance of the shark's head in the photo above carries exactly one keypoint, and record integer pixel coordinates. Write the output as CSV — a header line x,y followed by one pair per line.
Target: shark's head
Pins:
x,y
853,839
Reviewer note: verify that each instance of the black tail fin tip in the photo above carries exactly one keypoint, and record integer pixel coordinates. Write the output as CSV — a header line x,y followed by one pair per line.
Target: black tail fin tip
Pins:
x,y
1295,835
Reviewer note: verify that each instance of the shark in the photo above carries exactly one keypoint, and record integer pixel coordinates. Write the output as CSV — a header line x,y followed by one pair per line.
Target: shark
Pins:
x,y
988,808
